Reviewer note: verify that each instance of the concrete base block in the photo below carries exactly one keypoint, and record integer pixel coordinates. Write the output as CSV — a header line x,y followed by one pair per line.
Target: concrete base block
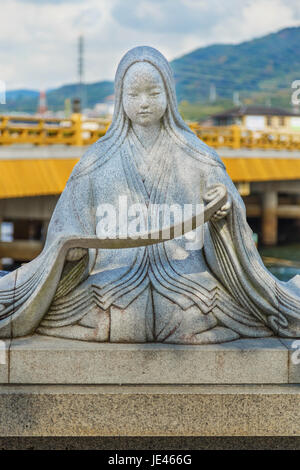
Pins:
x,y
192,410
46,360
53,387
4,360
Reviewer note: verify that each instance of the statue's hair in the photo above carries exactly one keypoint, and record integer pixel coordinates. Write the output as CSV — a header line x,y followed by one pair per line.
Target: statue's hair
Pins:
x,y
105,147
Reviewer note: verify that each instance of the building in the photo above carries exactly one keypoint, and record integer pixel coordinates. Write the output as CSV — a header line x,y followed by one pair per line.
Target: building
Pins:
x,y
259,118
105,109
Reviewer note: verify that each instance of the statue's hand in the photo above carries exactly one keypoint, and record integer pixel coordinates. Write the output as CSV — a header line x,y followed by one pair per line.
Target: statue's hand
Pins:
x,y
75,254
221,213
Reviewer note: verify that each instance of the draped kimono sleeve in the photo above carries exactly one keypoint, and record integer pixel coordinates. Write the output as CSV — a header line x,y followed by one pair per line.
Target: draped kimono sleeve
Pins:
x,y
27,292
232,256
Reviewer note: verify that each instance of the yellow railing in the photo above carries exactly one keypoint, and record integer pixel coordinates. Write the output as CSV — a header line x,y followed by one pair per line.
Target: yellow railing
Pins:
x,y
236,137
49,131
81,131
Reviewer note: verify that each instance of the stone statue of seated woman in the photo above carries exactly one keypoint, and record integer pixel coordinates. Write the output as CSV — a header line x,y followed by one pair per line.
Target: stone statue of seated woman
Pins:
x,y
187,289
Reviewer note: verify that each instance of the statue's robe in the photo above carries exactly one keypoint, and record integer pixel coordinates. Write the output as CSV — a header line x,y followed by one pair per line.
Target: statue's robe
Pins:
x,y
223,285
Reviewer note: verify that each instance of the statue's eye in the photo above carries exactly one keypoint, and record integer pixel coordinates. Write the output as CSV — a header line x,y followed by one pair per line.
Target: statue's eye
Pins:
x,y
155,93
133,95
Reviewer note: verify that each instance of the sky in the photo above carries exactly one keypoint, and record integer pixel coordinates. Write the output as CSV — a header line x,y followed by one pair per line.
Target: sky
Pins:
x,y
38,38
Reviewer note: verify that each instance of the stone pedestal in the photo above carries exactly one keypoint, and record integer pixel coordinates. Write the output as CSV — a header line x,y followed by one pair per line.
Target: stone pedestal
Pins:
x,y
52,387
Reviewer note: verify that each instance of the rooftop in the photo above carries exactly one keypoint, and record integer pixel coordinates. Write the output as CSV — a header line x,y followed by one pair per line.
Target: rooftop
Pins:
x,y
254,111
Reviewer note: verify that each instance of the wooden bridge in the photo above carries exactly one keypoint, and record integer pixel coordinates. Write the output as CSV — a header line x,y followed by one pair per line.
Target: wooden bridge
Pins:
x,y
37,156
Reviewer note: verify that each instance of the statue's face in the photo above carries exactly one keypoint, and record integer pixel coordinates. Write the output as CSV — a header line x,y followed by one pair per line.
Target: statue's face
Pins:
x,y
144,95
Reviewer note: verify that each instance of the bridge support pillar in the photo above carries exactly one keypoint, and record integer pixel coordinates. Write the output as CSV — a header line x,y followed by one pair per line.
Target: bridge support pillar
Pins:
x,y
269,217
0,241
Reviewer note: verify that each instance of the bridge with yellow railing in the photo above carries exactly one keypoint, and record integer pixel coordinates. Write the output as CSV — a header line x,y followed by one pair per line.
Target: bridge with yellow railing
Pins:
x,y
51,131
235,137
80,131
37,155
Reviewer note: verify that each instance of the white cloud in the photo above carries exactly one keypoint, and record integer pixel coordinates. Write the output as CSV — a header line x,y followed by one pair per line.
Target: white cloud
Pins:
x,y
259,17
38,38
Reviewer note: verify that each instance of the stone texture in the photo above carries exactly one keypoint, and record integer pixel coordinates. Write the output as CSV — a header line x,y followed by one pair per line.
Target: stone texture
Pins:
x,y
293,347
46,360
219,410
4,360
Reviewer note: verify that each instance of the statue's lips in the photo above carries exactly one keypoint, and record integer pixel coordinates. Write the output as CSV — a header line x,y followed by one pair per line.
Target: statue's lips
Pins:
x,y
144,113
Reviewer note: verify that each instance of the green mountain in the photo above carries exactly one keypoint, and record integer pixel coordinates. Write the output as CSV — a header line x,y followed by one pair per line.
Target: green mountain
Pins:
x,y
91,93
20,101
27,100
261,71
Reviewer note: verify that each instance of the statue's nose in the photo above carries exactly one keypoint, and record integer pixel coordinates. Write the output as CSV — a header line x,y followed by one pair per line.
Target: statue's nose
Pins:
x,y
144,102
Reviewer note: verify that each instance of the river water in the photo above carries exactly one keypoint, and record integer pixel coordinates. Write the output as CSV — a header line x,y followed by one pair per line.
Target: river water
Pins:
x,y
283,261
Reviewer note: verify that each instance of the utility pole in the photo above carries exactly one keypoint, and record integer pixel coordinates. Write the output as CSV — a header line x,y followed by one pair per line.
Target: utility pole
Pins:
x,y
42,107
212,93
236,98
268,102
81,70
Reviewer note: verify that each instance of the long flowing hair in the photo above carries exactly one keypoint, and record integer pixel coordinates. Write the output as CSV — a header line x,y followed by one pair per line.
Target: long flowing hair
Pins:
x,y
105,147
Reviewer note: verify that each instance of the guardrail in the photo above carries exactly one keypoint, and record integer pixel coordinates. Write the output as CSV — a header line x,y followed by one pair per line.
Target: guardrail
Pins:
x,y
79,131
236,137
50,131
